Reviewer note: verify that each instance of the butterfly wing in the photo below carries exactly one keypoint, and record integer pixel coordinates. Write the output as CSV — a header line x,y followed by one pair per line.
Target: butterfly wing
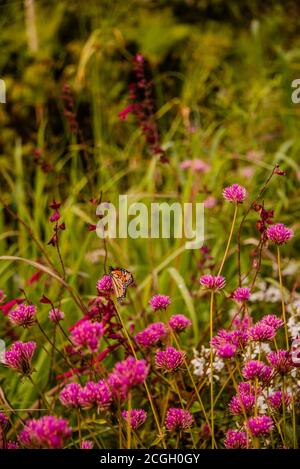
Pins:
x,y
121,279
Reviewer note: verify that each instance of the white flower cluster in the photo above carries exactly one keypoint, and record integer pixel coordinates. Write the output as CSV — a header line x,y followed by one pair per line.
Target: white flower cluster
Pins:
x,y
201,364
293,322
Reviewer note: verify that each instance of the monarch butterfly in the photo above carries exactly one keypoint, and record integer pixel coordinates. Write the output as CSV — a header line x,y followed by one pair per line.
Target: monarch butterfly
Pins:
x,y
121,279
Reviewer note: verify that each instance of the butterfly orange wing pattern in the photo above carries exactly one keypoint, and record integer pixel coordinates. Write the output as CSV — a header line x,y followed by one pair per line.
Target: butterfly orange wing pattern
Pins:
x,y
121,279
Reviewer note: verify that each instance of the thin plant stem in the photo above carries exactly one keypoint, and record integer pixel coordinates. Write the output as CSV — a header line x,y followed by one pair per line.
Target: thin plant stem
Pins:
x,y
128,421
282,298
229,240
182,406
39,392
212,429
79,427
161,435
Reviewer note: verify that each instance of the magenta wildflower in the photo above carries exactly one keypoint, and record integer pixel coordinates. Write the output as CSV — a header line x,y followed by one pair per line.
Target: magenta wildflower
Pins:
x,y
55,315
279,233
179,322
281,361
151,335
242,402
159,302
261,332
87,444
95,394
227,343
23,315
104,283
47,432
12,445
241,294
276,400
169,359
69,396
260,426
272,320
254,369
127,374
178,419
212,282
235,193
236,439
136,417
87,334
196,165
19,357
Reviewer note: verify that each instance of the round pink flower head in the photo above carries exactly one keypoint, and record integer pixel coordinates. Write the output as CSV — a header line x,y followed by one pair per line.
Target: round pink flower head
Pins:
x,y
55,315
87,444
158,302
272,320
169,360
87,334
261,332
281,361
127,374
95,395
178,419
47,432
235,193
136,417
69,396
276,400
236,439
241,294
179,322
212,282
12,445
242,402
23,315
279,233
151,335
104,283
254,369
260,426
19,357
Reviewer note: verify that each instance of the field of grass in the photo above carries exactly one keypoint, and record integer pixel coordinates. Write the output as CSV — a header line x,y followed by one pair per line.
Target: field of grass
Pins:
x,y
216,92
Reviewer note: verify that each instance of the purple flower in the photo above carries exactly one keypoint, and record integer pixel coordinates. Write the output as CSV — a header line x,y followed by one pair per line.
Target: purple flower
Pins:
x,y
212,282
55,315
69,396
19,357
179,322
95,394
12,445
87,444
261,332
235,193
136,417
178,419
241,294
47,432
281,361
254,369
23,315
169,359
272,320
104,283
159,302
260,426
151,335
279,233
242,402
87,334
276,400
127,374
236,439
227,343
